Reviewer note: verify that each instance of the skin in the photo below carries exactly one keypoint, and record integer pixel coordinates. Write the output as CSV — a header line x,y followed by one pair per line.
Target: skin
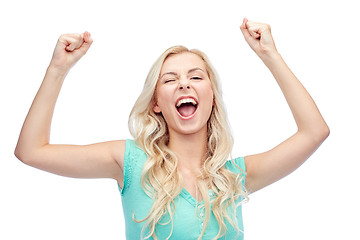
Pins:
x,y
185,75
266,168
105,160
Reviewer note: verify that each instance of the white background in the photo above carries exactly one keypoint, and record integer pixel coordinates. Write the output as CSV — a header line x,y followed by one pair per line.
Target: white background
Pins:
x,y
318,39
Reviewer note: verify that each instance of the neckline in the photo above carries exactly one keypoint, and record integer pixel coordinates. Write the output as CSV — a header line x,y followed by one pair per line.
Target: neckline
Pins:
x,y
185,194
189,197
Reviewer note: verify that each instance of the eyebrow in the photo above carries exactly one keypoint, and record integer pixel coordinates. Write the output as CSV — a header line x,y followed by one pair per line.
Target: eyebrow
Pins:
x,y
175,74
195,69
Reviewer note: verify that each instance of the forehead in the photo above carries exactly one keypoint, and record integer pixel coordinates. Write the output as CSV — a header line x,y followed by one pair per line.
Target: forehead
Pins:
x,y
182,62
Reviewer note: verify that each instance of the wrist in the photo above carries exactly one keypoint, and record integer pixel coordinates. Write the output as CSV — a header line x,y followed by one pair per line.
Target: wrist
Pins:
x,y
58,74
271,58
58,70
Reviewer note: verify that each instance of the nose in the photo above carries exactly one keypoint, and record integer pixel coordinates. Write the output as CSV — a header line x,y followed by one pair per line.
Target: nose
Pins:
x,y
184,84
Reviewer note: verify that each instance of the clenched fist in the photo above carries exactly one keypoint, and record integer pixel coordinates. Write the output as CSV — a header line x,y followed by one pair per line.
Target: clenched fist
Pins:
x,y
259,38
69,49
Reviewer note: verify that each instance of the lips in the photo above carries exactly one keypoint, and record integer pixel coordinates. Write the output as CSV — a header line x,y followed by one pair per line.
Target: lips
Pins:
x,y
186,107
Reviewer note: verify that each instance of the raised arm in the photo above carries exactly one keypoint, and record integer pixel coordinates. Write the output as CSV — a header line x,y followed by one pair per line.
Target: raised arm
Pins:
x,y
268,167
100,160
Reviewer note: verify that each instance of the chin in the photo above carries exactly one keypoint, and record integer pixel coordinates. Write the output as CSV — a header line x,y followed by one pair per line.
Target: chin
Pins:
x,y
191,129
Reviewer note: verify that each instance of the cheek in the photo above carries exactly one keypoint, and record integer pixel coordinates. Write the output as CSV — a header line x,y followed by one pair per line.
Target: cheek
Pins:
x,y
209,94
207,98
163,98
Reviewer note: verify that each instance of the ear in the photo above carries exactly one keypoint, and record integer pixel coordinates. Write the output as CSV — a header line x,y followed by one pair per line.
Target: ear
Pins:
x,y
156,108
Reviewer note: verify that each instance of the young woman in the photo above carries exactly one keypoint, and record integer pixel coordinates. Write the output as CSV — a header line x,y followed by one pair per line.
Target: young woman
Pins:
x,y
175,177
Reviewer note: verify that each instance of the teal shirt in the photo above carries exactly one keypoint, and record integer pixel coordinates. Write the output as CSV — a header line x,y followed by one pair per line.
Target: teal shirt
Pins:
x,y
187,223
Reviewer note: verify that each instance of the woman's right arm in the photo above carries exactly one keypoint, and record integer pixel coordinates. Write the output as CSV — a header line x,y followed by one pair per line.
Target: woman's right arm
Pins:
x,y
100,160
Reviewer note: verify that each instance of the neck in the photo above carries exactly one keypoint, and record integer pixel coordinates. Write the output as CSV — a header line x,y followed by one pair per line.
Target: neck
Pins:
x,y
190,149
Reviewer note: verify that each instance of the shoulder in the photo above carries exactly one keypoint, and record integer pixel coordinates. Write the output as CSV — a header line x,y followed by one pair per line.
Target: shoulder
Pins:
x,y
236,165
133,149
124,148
133,160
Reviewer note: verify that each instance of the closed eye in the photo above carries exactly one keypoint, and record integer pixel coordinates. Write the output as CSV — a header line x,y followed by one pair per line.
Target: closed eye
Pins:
x,y
170,80
196,78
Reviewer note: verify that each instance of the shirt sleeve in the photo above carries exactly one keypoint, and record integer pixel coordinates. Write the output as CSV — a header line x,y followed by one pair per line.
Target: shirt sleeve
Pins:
x,y
237,166
127,166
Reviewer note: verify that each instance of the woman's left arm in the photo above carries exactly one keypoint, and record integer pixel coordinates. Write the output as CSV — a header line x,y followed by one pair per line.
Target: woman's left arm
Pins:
x,y
266,168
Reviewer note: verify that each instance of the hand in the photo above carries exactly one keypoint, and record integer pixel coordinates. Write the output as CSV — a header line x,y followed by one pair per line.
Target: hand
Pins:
x,y
69,49
258,36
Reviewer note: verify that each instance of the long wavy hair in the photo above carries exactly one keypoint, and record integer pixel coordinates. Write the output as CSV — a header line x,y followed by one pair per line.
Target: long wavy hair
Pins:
x,y
161,179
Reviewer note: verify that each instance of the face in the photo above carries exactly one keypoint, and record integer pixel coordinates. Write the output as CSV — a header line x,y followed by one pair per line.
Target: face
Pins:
x,y
184,94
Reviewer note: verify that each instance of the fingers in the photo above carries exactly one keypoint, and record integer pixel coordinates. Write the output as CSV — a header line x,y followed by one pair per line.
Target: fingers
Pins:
x,y
258,36
70,48
87,37
250,39
243,28
72,42
87,41
254,29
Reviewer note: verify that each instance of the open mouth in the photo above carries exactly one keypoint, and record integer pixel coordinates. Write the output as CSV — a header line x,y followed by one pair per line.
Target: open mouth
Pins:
x,y
186,107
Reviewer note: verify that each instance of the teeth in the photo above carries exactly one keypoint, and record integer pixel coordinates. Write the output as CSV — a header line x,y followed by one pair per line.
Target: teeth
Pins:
x,y
186,100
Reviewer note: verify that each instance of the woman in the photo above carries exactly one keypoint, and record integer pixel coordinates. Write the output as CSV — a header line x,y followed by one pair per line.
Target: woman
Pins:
x,y
174,177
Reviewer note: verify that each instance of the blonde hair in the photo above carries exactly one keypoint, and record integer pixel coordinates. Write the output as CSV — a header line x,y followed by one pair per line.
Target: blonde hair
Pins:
x,y
161,179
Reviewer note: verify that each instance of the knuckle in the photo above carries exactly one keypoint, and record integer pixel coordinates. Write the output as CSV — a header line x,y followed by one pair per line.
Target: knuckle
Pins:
x,y
62,36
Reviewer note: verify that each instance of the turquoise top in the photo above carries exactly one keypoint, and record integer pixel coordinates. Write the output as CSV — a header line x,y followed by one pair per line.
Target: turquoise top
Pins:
x,y
187,222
